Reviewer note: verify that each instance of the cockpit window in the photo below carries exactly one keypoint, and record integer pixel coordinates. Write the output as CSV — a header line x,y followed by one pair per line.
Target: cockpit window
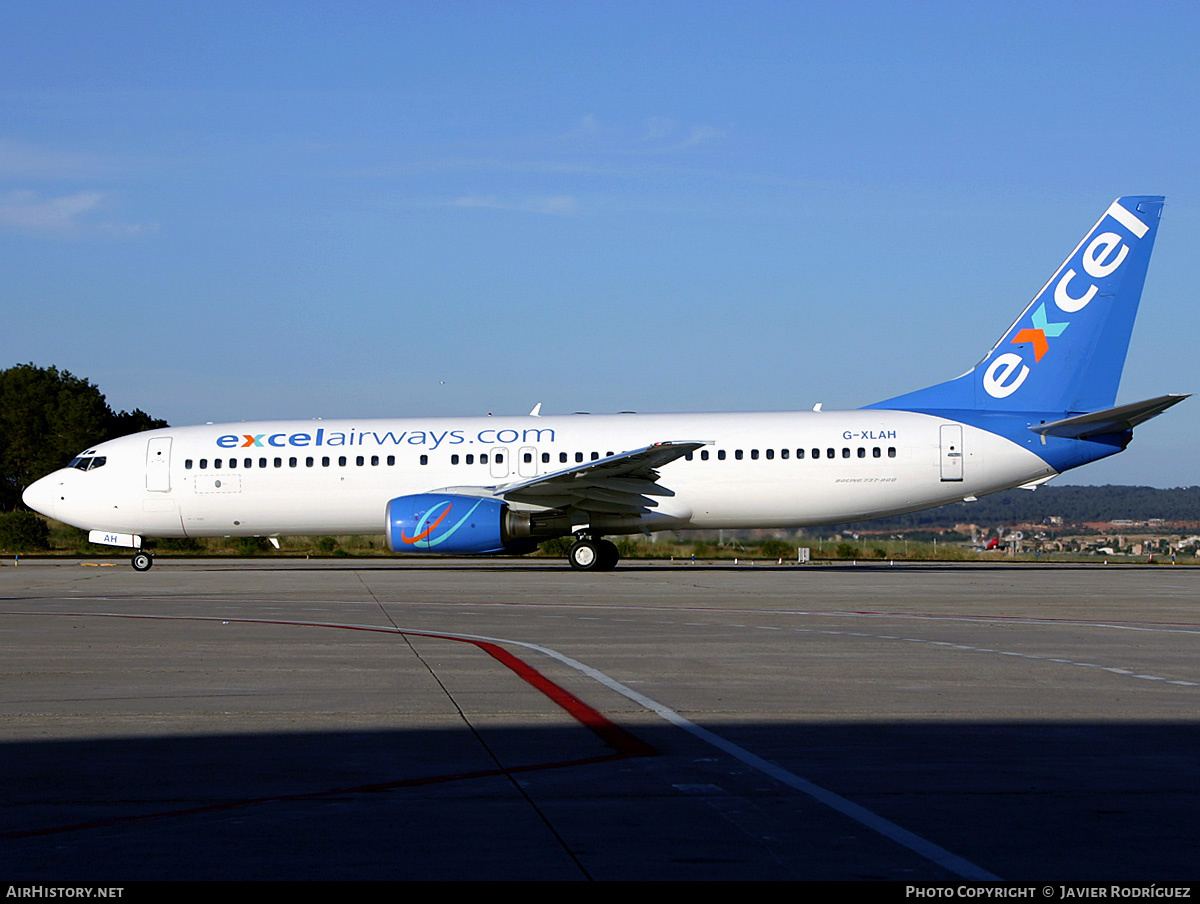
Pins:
x,y
88,462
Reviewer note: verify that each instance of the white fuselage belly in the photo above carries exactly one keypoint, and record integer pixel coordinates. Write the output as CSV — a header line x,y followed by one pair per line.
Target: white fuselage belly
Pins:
x,y
730,492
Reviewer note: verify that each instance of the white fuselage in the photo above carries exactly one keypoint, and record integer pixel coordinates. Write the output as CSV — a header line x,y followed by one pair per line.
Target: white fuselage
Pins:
x,y
758,470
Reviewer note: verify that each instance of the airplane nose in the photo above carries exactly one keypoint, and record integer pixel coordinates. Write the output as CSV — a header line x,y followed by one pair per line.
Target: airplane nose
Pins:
x,y
41,496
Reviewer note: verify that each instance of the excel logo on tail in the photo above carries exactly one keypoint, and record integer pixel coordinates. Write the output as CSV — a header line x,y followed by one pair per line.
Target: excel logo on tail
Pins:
x,y
1039,332
1100,257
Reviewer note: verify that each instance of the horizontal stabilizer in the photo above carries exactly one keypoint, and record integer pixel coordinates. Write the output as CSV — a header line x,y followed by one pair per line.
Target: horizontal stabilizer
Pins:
x,y
1110,420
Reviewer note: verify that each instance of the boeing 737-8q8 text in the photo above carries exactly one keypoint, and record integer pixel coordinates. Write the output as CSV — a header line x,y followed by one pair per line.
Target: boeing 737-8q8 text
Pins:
x,y
1039,403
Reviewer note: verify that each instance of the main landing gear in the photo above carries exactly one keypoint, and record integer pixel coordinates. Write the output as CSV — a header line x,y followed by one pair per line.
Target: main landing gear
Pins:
x,y
142,560
593,554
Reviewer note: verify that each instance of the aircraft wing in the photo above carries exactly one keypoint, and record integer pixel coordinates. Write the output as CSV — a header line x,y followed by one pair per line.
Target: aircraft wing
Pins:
x,y
619,484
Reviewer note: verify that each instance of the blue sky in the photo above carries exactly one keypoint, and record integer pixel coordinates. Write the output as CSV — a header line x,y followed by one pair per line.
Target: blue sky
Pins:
x,y
227,211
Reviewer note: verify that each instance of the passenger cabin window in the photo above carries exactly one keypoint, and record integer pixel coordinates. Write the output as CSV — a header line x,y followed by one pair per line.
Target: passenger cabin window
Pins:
x,y
720,455
424,459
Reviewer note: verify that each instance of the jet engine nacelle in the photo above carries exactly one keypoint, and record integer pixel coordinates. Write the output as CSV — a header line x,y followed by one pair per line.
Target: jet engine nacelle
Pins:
x,y
451,524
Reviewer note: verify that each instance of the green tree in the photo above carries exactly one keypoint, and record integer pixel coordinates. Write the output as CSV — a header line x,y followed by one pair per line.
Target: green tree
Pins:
x,y
47,416
123,423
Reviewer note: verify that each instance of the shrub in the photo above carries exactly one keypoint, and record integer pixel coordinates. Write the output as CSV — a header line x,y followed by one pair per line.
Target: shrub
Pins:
x,y
23,531
177,544
251,546
628,547
556,548
777,549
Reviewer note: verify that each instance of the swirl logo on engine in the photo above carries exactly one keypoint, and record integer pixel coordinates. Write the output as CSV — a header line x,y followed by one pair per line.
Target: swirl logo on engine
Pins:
x,y
425,529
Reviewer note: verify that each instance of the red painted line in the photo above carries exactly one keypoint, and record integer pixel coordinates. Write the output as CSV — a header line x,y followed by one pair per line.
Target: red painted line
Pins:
x,y
609,732
725,609
613,735
624,744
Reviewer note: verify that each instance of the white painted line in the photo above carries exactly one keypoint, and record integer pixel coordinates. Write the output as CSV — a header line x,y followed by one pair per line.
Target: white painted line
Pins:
x,y
885,827
915,843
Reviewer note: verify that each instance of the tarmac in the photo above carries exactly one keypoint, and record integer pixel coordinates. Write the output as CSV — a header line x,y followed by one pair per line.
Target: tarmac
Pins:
x,y
513,719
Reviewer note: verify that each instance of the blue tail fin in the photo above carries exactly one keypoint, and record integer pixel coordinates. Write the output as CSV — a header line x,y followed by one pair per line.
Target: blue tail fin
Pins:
x,y
1066,351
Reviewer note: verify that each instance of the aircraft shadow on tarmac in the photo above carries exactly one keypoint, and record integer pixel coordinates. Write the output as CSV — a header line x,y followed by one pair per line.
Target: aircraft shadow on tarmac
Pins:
x,y
1035,801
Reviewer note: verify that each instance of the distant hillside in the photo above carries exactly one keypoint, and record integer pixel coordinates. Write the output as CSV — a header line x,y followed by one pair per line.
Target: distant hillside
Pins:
x,y
1073,504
